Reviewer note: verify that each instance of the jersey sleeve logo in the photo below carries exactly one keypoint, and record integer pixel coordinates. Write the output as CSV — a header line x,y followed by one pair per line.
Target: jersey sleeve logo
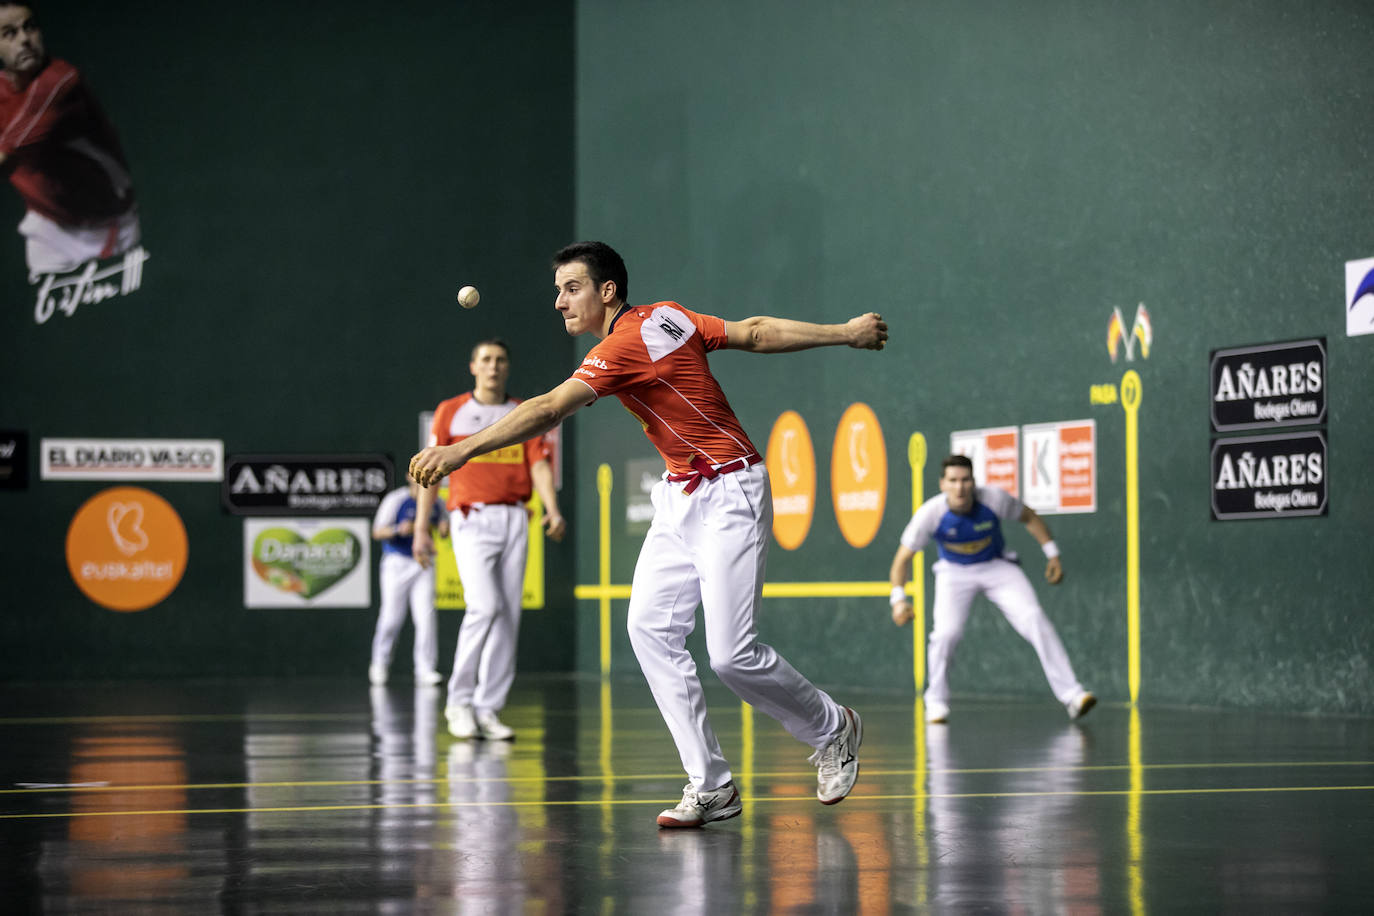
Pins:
x,y
665,331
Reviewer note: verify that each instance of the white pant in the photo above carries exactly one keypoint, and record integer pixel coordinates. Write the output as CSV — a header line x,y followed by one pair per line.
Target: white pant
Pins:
x,y
711,547
489,544
1007,587
52,248
402,581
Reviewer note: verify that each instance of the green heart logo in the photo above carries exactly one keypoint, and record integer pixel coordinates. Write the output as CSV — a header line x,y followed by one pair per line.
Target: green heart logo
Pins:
x,y
286,561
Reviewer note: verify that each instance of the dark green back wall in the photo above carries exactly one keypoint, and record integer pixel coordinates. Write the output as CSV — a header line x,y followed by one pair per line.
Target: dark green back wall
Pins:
x,y
995,178
316,182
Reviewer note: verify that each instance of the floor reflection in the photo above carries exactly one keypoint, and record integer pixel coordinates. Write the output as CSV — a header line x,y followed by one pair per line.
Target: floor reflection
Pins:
x,y
481,833
1006,822
326,797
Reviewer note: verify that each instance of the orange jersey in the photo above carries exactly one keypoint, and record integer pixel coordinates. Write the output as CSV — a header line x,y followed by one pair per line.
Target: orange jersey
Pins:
x,y
502,476
654,360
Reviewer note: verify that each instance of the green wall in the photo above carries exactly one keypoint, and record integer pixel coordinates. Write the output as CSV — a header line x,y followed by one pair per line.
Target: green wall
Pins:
x,y
316,182
995,179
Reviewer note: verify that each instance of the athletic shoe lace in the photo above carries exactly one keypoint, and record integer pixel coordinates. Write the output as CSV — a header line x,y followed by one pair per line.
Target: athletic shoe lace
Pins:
x,y
690,799
827,759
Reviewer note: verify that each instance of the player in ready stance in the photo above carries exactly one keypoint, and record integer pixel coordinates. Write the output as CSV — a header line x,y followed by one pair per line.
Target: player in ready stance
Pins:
x,y
713,515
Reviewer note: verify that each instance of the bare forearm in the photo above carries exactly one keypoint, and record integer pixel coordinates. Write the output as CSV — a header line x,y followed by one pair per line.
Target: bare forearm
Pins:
x,y
1038,529
529,419
783,335
765,334
901,567
541,475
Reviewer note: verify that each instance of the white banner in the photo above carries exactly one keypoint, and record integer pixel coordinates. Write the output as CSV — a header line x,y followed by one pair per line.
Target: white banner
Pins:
x,y
132,459
1060,467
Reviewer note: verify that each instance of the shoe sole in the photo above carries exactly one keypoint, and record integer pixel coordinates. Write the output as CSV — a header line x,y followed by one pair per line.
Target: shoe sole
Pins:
x,y
1088,703
858,742
665,821
673,825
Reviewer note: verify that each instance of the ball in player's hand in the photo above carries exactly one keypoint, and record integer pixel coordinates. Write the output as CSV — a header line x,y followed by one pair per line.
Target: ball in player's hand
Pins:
x,y
468,297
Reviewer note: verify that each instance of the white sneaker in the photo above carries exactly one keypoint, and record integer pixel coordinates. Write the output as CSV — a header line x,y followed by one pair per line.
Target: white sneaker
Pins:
x,y
1078,707
698,808
461,722
837,764
936,713
493,727
376,675
428,677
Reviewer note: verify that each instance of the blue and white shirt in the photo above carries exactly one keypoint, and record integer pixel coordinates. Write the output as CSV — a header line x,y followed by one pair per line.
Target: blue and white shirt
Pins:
x,y
399,506
964,539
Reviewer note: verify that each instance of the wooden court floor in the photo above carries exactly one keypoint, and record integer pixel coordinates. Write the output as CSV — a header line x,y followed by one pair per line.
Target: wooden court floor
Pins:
x,y
328,796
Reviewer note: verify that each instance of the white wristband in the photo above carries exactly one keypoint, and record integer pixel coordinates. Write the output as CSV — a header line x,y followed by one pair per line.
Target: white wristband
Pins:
x,y
1051,549
898,595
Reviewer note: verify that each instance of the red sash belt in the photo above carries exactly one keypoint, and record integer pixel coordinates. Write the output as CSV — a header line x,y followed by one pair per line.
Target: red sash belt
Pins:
x,y
702,470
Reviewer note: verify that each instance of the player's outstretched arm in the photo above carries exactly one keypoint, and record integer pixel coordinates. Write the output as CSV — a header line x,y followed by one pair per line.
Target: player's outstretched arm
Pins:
x,y
530,418
764,334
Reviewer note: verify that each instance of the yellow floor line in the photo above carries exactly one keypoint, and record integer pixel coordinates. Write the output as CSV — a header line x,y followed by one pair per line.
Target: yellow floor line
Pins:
x,y
772,799
646,777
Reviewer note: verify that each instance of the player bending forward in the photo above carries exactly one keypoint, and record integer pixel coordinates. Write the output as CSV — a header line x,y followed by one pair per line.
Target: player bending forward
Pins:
x,y
966,523
713,514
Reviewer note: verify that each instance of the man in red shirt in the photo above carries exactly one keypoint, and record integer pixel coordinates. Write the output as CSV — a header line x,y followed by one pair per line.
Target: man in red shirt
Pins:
x,y
490,529
708,542
61,154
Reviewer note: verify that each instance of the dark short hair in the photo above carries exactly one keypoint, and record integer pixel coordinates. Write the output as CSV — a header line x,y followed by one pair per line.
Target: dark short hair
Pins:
x,y
603,263
956,461
489,342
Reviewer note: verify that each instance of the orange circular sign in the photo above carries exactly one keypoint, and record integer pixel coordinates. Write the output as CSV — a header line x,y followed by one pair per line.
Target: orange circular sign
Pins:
x,y
858,475
126,548
791,465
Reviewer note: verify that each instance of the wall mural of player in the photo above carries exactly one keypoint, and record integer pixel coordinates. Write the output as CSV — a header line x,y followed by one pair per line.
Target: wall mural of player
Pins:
x,y
64,158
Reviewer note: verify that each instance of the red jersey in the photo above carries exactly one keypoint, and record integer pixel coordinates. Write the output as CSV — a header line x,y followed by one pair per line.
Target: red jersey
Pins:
x,y
62,154
654,360
502,476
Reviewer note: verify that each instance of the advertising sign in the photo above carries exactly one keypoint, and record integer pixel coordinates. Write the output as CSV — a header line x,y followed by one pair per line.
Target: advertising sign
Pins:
x,y
994,453
132,459
1359,297
791,462
641,476
126,548
305,484
307,562
14,459
1269,385
1269,476
1060,461
858,475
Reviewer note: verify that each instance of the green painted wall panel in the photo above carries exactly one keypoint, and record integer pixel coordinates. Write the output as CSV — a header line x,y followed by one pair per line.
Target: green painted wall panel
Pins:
x,y
996,178
315,182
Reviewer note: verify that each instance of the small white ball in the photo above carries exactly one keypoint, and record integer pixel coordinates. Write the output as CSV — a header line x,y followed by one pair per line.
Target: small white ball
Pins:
x,y
468,297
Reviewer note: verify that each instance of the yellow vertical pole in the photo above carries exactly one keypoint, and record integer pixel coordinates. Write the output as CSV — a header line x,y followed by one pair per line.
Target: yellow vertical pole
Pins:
x,y
916,455
603,489
1135,838
1130,402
